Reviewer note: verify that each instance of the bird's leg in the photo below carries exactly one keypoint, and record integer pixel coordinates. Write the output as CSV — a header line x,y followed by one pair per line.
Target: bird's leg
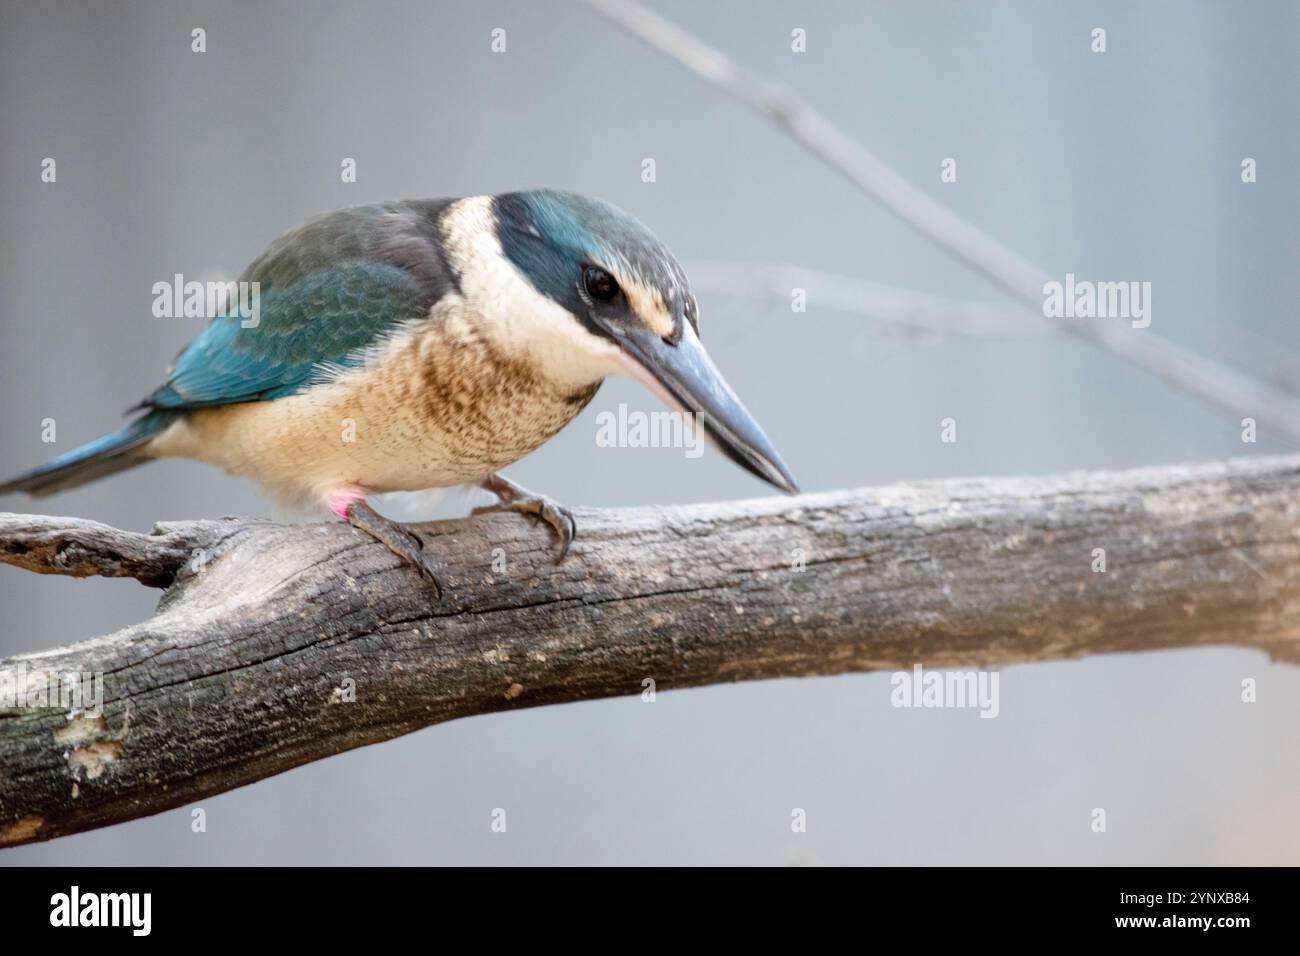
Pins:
x,y
350,505
513,497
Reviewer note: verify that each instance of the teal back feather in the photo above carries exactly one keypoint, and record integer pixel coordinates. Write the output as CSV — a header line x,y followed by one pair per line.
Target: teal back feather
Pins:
x,y
325,317
327,290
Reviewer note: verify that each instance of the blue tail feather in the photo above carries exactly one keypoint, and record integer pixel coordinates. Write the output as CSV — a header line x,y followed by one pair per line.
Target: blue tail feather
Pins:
x,y
98,459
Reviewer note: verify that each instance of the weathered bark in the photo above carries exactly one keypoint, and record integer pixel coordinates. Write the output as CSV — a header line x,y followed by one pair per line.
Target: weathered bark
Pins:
x,y
242,672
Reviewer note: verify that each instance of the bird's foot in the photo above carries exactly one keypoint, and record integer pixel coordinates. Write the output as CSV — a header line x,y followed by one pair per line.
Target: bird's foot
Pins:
x,y
514,497
402,542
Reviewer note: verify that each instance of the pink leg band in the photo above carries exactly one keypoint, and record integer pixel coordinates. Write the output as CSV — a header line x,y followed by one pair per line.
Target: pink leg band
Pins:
x,y
342,500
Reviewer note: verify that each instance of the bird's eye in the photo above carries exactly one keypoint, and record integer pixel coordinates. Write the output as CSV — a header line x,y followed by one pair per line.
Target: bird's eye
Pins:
x,y
599,284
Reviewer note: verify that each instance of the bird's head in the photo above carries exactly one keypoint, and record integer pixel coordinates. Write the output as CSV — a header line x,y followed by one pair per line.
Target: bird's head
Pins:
x,y
611,298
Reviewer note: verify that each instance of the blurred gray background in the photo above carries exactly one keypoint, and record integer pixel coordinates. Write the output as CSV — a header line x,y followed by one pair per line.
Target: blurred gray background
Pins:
x,y
1124,165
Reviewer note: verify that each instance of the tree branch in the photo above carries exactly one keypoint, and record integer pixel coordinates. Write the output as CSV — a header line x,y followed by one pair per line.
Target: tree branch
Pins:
x,y
247,668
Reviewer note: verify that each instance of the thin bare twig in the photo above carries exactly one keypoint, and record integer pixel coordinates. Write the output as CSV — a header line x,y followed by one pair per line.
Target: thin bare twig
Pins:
x,y
912,311
917,314
1223,386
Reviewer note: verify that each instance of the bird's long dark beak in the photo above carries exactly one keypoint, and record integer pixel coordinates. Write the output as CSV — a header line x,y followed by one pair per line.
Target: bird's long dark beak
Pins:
x,y
685,378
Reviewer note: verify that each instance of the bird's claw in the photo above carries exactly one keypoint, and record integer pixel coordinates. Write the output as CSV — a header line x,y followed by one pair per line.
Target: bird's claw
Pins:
x,y
544,509
403,543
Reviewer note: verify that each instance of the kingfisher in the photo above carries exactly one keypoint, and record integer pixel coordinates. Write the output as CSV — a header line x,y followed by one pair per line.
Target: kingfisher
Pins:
x,y
428,343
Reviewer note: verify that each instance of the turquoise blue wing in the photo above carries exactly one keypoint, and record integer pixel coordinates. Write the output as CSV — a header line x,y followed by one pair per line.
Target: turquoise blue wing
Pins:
x,y
326,291
323,318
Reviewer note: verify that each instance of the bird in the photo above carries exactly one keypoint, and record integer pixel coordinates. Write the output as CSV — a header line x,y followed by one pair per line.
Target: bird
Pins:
x,y
428,343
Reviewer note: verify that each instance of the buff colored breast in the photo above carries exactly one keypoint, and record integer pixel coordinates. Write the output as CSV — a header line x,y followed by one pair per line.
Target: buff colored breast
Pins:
x,y
436,406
